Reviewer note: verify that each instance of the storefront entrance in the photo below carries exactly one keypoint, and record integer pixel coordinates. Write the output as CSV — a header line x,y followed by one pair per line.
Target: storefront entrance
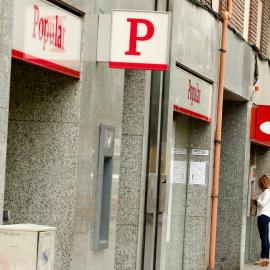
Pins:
x,y
174,222
178,190
168,245
41,151
177,194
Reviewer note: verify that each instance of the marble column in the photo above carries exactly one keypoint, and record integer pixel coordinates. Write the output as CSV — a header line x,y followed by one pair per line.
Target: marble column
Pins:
x,y
6,21
132,169
233,181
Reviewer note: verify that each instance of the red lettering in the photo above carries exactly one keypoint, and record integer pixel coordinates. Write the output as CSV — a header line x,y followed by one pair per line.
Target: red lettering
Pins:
x,y
198,95
63,32
134,34
40,32
194,94
56,18
59,35
190,92
36,19
50,30
59,39
46,33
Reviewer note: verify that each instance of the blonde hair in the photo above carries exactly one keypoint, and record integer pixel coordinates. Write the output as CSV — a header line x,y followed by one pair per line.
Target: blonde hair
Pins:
x,y
264,182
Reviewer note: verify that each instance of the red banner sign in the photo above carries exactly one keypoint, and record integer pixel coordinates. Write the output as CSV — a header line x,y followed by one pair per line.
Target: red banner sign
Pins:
x,y
260,125
263,123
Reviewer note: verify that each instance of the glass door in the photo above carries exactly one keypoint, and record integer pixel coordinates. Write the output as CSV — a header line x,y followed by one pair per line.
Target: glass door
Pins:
x,y
177,194
166,197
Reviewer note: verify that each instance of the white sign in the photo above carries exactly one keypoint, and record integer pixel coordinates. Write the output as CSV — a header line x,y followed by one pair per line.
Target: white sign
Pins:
x,y
179,172
197,173
140,40
193,96
47,36
179,151
199,152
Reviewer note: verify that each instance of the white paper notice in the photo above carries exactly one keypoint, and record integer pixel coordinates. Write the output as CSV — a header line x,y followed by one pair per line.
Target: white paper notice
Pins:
x,y
199,152
179,172
179,151
197,173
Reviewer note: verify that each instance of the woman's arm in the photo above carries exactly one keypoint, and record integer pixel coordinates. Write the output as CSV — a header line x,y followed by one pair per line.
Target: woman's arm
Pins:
x,y
265,198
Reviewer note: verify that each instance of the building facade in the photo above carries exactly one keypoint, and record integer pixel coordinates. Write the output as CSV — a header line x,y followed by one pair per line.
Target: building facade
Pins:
x,y
163,130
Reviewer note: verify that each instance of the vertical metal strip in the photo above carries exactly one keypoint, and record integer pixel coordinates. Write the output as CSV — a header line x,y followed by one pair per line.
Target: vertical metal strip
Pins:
x,y
162,165
152,173
162,160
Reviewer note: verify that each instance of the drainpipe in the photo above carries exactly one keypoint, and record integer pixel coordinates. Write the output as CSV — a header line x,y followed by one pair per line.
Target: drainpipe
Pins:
x,y
226,18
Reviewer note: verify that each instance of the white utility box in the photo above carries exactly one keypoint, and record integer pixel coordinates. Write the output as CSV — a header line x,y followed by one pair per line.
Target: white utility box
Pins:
x,y
27,246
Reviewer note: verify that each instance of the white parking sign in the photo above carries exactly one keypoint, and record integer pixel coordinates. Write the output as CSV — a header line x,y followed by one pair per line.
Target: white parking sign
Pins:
x,y
140,40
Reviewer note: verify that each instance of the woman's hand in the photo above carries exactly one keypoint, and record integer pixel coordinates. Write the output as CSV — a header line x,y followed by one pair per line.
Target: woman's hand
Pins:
x,y
255,198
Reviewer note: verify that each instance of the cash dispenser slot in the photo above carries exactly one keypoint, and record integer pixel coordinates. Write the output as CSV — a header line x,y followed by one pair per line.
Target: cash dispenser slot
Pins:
x,y
104,187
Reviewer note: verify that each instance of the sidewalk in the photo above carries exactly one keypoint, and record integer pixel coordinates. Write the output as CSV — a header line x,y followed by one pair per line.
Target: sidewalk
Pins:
x,y
251,266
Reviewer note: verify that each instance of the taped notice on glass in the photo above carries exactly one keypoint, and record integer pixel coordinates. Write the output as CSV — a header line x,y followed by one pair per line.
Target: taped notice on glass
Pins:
x,y
199,152
179,172
197,173
179,151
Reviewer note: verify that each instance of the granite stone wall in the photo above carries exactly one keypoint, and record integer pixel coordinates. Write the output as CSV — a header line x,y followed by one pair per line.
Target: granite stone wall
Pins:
x,y
53,139
42,152
233,180
6,20
101,103
111,97
53,143
132,170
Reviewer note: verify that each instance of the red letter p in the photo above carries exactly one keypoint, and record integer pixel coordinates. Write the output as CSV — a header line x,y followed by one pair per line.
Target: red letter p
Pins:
x,y
36,19
134,34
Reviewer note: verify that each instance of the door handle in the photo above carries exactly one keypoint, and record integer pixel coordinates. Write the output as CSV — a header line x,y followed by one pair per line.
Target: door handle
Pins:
x,y
152,193
162,193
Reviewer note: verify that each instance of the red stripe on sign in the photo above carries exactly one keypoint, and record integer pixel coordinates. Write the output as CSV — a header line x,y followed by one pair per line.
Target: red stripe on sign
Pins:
x,y
260,143
45,64
191,113
138,66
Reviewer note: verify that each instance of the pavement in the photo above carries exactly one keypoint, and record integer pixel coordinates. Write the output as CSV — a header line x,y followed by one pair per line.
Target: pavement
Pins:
x,y
251,266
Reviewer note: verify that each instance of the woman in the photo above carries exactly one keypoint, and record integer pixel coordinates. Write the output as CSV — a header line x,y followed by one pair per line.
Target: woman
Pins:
x,y
263,214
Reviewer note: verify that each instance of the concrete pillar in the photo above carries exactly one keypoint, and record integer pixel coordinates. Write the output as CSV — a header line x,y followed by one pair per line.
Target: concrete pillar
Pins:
x,y
132,169
6,22
235,152
42,152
